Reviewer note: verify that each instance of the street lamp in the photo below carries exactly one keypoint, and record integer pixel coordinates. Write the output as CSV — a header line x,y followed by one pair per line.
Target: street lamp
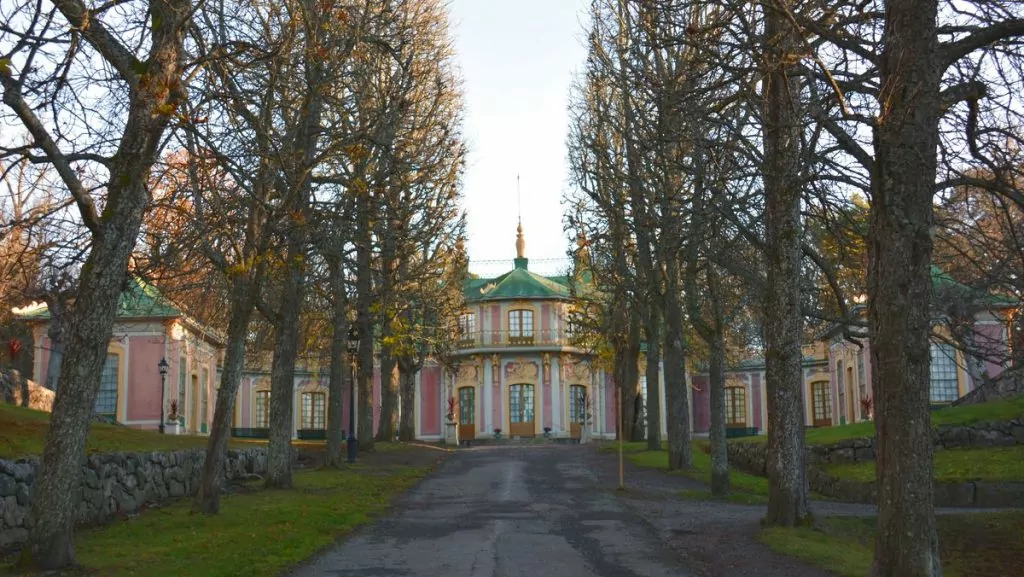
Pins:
x,y
353,348
162,365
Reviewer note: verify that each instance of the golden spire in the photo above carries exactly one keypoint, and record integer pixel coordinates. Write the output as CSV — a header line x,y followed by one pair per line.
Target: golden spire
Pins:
x,y
520,243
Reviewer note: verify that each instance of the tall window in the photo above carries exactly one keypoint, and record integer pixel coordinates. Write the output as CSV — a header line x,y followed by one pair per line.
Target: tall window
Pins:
x,y
822,401
262,410
861,375
204,394
943,374
577,404
520,403
736,406
313,410
106,399
467,408
520,323
467,325
182,376
841,390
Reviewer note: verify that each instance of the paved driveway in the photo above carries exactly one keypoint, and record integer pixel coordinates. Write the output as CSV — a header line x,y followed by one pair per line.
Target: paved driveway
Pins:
x,y
501,512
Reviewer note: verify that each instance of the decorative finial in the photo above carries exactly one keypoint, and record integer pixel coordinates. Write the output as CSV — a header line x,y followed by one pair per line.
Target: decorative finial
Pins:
x,y
520,242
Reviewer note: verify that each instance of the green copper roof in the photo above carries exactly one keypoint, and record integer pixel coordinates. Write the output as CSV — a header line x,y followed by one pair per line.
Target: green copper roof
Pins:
x,y
139,300
945,285
519,283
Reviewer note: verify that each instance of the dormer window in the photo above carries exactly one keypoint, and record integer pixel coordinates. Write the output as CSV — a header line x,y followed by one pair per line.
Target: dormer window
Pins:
x,y
520,326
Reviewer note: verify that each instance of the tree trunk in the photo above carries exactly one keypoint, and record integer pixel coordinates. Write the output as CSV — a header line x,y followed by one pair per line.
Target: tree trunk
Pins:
x,y
365,378
783,320
388,397
208,497
57,332
20,383
339,369
899,288
680,436
653,371
91,317
716,391
407,388
282,371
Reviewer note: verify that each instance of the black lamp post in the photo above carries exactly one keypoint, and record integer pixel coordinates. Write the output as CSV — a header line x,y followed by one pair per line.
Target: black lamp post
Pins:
x,y
353,348
162,365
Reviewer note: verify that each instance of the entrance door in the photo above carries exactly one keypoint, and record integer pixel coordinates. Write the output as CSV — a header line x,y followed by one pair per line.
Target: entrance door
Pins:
x,y
467,413
821,404
577,410
521,411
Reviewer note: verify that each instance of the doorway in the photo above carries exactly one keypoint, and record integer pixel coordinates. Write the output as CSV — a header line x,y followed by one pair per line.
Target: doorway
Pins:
x,y
467,413
521,411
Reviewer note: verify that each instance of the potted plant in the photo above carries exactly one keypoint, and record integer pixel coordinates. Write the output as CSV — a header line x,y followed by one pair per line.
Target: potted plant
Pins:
x,y
497,433
866,407
547,431
451,424
174,420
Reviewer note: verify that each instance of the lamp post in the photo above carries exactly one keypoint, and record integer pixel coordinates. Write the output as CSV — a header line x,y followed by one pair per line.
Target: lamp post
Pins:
x,y
162,365
353,348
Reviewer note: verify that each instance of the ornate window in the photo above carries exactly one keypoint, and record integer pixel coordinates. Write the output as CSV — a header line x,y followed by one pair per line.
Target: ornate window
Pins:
x,y
262,410
821,400
577,404
736,406
467,326
520,403
106,399
520,323
313,411
182,384
944,387
204,395
467,402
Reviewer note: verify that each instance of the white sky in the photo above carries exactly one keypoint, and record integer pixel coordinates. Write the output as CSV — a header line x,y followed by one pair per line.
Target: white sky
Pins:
x,y
517,58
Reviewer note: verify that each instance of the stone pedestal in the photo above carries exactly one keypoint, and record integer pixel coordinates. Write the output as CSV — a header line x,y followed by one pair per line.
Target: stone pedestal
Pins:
x,y
584,434
451,433
173,428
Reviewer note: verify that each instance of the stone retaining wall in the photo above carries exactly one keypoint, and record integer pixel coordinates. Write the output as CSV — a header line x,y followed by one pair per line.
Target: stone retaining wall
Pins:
x,y
753,457
116,484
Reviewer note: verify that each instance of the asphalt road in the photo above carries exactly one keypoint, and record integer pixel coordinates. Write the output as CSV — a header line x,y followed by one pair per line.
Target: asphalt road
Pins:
x,y
502,512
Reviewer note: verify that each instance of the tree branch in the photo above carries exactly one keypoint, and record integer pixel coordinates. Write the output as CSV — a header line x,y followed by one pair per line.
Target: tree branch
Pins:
x,y
953,51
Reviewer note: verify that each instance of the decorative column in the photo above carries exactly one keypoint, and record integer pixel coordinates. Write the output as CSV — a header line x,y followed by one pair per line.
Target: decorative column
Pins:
x,y
546,407
497,399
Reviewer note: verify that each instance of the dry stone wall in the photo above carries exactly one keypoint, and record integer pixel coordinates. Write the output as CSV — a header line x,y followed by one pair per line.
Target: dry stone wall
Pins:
x,y
116,484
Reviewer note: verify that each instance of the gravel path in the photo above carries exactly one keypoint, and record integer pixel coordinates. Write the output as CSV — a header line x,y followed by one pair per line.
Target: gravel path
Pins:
x,y
506,511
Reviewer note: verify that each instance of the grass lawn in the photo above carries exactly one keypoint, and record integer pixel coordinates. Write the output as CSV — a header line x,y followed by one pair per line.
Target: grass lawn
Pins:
x,y
23,432
258,532
954,466
970,545
745,487
1004,410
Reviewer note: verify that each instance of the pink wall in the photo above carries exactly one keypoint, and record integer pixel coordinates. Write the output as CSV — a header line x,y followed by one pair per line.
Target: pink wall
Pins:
x,y
610,404
547,403
992,339
430,393
701,403
496,336
143,387
545,322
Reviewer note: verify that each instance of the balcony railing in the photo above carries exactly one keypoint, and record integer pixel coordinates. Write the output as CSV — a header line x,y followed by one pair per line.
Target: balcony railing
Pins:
x,y
488,339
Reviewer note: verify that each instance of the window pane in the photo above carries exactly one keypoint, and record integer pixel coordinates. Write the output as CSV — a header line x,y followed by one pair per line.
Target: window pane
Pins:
x,y
577,404
263,409
307,411
527,403
318,411
822,402
735,405
514,323
204,394
527,323
943,374
106,399
515,403
467,414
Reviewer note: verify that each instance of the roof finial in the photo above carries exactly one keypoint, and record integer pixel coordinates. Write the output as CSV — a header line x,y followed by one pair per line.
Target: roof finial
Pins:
x,y
520,242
